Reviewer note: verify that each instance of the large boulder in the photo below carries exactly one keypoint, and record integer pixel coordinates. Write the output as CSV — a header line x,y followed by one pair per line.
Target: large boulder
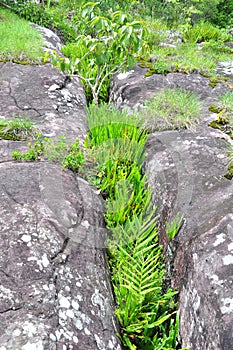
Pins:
x,y
185,170
55,291
55,288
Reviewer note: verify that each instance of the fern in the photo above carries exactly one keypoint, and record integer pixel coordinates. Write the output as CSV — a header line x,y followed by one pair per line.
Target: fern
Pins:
x,y
138,277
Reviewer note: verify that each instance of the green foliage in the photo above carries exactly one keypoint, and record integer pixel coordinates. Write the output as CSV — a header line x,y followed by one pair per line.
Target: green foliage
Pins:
x,y
226,101
62,151
205,31
172,109
145,309
105,46
19,41
138,274
17,128
222,14
173,228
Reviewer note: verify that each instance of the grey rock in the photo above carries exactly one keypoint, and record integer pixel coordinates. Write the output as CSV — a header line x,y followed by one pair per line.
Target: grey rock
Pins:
x,y
43,94
169,38
185,170
186,173
51,40
55,290
225,69
130,90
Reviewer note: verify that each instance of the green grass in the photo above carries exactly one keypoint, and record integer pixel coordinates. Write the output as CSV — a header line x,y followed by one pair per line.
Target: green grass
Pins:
x,y
172,109
226,101
19,41
17,128
188,58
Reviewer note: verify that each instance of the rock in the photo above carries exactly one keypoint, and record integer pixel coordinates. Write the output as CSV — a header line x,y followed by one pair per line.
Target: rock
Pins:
x,y
55,290
185,170
54,102
225,69
169,38
52,41
130,90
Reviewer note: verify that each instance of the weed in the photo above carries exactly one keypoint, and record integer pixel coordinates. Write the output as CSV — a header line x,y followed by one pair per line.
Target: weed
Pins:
x,y
172,109
62,151
205,31
17,128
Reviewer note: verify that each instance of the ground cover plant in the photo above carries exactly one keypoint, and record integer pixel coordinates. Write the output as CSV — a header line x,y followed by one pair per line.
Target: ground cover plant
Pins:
x,y
62,151
145,308
19,41
17,128
224,122
172,109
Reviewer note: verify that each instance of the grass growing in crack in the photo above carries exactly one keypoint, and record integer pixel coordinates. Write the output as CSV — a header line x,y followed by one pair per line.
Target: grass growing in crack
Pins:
x,y
62,151
172,109
19,41
144,309
17,128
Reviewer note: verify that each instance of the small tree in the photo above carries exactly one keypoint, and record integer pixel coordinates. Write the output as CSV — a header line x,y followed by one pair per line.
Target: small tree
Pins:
x,y
112,45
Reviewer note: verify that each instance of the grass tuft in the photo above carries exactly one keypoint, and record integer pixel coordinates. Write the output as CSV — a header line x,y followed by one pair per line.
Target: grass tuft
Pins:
x,y
172,109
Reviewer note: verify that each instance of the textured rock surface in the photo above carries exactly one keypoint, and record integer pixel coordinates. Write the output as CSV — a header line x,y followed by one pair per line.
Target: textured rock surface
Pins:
x,y
186,173
55,291
53,101
131,89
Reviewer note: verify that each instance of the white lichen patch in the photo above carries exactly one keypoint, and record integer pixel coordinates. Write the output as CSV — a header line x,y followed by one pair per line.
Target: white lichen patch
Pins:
x,y
230,247
75,305
33,346
16,332
6,293
122,76
26,238
85,224
43,262
228,259
98,300
220,239
63,301
227,307
70,313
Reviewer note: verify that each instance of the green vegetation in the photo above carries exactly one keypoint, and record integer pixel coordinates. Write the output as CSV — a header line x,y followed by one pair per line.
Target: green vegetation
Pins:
x,y
145,309
19,41
103,38
172,109
224,122
106,45
17,128
63,151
